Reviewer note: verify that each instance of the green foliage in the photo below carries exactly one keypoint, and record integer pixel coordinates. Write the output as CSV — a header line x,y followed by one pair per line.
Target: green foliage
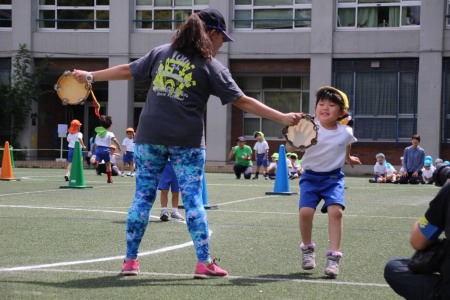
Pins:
x,y
20,94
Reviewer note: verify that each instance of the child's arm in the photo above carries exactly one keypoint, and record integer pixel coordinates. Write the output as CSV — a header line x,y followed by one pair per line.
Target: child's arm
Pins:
x,y
114,139
351,160
81,143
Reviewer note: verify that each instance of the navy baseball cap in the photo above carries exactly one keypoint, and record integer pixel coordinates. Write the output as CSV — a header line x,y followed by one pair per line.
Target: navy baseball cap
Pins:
x,y
213,19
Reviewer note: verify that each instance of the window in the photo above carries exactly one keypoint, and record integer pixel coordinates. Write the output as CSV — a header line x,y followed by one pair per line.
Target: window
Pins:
x,y
267,14
73,14
285,94
165,14
446,102
382,96
448,14
378,13
5,14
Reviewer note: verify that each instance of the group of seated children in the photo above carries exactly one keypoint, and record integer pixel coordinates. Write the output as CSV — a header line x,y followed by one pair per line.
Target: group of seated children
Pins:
x,y
385,172
293,166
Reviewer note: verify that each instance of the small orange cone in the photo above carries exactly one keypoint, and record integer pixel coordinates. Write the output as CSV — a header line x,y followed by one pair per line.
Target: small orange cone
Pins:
x,y
7,172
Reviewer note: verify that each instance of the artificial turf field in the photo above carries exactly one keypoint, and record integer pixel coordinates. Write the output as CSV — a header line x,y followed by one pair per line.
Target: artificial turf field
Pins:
x,y
70,243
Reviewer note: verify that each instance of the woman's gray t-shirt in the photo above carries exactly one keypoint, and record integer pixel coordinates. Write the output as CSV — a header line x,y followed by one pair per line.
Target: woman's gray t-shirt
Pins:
x,y
176,102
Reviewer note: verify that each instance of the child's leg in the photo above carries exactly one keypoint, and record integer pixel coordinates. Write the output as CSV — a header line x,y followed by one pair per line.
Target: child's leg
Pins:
x,y
164,198
306,216
335,226
175,197
108,171
69,167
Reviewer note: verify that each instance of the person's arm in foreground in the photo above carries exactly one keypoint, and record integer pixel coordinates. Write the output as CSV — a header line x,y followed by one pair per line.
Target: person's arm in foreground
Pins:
x,y
120,72
255,107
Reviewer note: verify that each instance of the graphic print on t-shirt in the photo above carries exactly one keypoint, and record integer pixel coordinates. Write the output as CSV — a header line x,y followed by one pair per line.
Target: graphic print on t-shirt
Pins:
x,y
173,76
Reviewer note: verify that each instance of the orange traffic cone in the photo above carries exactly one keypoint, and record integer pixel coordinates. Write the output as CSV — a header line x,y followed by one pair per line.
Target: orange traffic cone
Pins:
x,y
7,172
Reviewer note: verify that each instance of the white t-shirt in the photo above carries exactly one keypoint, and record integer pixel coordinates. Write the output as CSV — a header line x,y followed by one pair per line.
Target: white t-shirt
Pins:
x,y
261,147
104,141
427,174
73,137
329,152
129,143
391,170
380,169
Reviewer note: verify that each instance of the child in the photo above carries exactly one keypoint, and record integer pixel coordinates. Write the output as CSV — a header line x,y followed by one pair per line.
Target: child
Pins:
x,y
103,142
391,173
169,181
322,177
101,168
427,172
379,169
261,153
128,152
272,168
73,136
295,169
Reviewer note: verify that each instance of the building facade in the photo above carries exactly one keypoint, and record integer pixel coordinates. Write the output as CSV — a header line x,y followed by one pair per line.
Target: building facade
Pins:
x,y
391,57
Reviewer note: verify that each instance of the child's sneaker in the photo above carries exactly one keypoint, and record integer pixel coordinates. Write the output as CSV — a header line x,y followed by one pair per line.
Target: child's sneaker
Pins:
x,y
308,256
176,216
133,174
164,216
130,267
109,181
212,271
332,266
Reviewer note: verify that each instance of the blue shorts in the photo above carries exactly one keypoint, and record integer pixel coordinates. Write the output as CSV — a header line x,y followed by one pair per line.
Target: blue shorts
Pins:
x,y
315,186
70,155
102,153
376,176
128,157
169,179
260,161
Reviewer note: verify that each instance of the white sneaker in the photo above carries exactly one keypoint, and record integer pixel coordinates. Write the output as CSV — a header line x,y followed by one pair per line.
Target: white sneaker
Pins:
x,y
129,174
176,216
308,257
332,266
133,174
122,175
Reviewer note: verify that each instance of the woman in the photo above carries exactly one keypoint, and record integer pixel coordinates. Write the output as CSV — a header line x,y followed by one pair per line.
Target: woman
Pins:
x,y
183,74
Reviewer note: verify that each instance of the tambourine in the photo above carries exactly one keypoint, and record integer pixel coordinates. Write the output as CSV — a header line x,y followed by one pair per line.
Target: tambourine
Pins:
x,y
301,136
70,91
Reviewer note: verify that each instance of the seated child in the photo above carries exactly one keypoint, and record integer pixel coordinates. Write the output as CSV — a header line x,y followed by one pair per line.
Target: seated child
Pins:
x,y
295,169
379,169
391,173
272,168
427,172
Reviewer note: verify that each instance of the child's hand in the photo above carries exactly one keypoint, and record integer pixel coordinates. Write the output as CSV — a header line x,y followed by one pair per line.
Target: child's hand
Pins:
x,y
352,160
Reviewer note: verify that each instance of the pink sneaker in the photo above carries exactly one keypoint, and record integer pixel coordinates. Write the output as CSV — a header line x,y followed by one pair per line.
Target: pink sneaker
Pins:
x,y
130,267
212,271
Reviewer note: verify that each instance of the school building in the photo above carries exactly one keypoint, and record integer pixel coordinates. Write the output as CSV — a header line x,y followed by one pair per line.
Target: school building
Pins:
x,y
391,57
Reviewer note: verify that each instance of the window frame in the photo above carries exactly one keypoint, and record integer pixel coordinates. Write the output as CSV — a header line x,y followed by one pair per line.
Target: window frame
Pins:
x,y
55,8
6,7
155,8
356,5
295,7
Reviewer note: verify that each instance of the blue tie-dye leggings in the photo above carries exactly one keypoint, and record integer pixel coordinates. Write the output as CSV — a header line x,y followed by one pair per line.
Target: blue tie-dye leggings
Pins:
x,y
188,164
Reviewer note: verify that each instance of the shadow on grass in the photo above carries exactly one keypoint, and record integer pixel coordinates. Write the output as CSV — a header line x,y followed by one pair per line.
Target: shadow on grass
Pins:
x,y
119,280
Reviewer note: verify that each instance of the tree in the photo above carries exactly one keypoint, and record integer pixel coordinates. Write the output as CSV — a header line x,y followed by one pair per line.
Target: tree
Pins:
x,y
18,96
